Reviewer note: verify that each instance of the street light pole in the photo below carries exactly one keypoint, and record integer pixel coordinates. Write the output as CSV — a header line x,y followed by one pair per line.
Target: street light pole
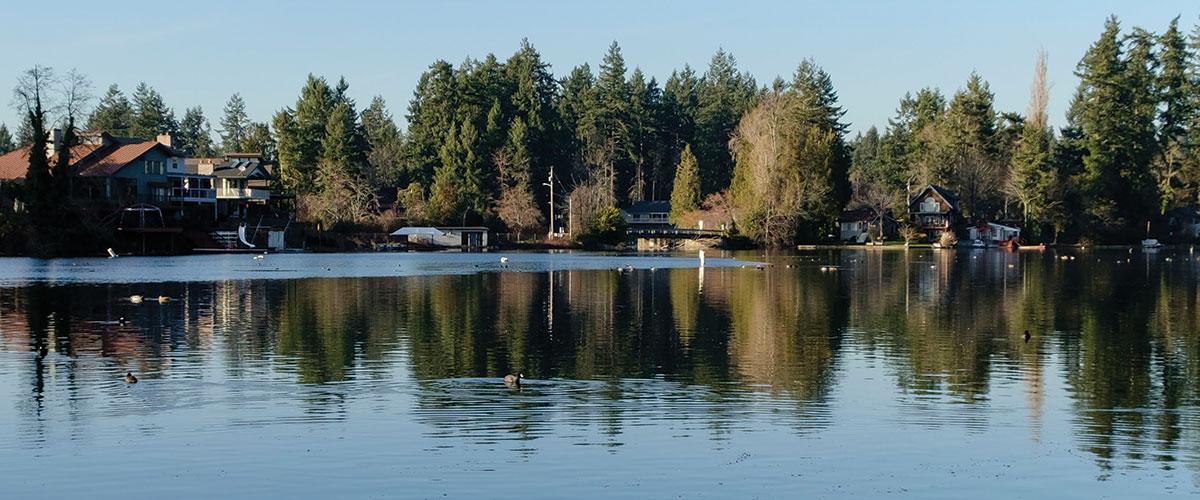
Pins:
x,y
550,184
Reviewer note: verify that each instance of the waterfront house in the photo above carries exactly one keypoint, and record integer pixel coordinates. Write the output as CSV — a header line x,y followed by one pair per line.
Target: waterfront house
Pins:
x,y
1184,223
647,214
241,182
933,211
991,234
445,236
856,225
114,171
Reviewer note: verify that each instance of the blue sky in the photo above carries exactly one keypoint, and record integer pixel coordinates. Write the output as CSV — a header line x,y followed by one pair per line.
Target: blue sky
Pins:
x,y
199,53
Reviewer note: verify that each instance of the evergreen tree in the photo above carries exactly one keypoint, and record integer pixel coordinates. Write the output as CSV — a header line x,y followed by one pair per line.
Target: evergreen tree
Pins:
x,y
151,116
6,140
677,121
577,109
1119,188
195,134
817,105
685,196
533,100
30,94
113,114
611,146
723,95
430,122
384,144
258,140
645,101
300,133
1177,112
234,125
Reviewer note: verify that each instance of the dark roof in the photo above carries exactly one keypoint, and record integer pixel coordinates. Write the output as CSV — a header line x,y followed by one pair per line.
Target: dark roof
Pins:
x,y
233,166
941,191
1192,211
864,214
649,207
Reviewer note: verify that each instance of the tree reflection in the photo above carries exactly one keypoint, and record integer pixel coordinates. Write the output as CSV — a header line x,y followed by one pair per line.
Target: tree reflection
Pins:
x,y
946,325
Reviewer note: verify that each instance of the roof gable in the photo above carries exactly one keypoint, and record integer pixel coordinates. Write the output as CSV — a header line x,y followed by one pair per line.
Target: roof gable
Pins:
x,y
938,191
649,207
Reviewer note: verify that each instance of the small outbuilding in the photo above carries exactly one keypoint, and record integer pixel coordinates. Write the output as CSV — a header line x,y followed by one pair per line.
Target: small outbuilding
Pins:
x,y
446,237
990,233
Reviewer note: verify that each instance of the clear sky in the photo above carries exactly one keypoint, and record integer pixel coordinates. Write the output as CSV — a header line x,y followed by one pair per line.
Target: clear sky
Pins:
x,y
199,53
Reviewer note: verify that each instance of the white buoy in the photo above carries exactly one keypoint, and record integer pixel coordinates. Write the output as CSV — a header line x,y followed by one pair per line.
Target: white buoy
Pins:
x,y
259,257
112,254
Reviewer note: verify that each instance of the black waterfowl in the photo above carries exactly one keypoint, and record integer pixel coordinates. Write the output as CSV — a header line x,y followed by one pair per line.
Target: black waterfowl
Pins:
x,y
129,378
1027,335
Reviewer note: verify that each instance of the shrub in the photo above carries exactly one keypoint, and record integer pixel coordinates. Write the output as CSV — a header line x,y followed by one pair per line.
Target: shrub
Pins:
x,y
947,239
606,226
909,234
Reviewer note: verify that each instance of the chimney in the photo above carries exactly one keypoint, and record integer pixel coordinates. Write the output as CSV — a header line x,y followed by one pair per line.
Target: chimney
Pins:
x,y
164,139
55,143
205,167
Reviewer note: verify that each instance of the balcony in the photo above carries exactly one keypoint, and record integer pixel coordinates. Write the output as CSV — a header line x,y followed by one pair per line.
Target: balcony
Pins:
x,y
227,193
193,194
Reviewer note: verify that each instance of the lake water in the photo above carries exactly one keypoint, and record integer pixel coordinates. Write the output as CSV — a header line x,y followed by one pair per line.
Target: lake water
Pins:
x,y
379,375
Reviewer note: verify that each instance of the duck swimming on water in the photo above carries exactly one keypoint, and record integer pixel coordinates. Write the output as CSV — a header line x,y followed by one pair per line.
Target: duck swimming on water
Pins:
x,y
129,378
513,380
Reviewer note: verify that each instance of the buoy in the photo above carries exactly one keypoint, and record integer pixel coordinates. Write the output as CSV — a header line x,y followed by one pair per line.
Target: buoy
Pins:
x,y
112,254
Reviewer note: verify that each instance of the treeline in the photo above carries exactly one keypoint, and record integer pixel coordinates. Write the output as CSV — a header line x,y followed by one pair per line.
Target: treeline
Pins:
x,y
487,140
1128,153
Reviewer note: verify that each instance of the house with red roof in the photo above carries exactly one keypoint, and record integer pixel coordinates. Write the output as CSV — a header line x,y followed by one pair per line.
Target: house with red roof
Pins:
x,y
121,171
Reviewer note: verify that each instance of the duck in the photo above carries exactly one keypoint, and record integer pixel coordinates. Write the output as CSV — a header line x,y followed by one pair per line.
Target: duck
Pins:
x,y
42,352
163,299
129,378
504,260
259,257
1027,335
513,380
136,299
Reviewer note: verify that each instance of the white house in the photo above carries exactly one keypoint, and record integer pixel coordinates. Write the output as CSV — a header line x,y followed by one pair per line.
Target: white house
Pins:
x,y
992,233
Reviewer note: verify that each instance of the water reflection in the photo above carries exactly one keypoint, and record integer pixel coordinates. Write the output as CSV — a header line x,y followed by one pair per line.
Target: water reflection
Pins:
x,y
697,349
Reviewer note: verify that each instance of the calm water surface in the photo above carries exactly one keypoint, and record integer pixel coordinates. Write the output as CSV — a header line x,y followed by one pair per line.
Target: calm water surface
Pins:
x,y
345,376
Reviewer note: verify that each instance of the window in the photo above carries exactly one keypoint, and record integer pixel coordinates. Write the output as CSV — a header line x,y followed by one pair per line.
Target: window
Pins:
x,y
153,167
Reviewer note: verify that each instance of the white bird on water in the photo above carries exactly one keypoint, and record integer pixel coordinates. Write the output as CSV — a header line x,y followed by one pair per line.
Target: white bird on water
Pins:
x,y
504,260
260,257
136,299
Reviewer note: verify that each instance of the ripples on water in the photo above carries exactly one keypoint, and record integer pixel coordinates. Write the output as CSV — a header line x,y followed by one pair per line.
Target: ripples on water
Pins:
x,y
900,372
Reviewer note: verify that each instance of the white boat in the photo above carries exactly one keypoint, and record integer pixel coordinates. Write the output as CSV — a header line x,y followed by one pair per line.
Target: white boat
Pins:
x,y
978,244
1151,243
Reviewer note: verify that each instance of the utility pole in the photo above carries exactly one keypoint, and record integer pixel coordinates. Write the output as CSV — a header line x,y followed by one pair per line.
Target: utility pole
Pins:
x,y
550,184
